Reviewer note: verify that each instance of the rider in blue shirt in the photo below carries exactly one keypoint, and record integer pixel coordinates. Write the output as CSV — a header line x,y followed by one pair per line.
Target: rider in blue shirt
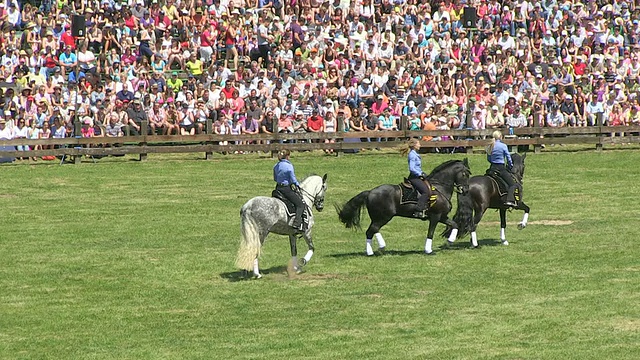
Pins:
x,y
417,176
500,160
287,185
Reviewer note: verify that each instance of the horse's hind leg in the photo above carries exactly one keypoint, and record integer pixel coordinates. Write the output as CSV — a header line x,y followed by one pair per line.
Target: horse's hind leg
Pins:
x,y
477,216
256,269
374,229
503,226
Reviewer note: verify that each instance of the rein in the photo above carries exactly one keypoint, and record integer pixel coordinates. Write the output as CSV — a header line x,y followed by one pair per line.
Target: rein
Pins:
x,y
314,197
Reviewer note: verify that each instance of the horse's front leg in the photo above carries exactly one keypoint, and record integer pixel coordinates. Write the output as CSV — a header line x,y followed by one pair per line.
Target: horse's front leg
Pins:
x,y
503,226
433,222
525,217
307,237
454,230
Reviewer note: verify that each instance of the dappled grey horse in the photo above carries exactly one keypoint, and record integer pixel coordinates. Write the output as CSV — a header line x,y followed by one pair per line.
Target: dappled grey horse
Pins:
x,y
263,215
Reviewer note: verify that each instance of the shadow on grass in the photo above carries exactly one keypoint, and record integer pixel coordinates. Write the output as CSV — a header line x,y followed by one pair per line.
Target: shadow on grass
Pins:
x,y
377,253
242,275
466,244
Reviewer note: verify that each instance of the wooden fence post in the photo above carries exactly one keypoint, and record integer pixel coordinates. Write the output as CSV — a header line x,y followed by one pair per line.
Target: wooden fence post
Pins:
x,y
599,124
144,130
338,150
274,136
208,130
536,125
77,131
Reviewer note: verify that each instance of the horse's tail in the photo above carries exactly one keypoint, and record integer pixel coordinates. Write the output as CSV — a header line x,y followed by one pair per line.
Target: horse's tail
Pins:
x,y
464,215
250,245
349,213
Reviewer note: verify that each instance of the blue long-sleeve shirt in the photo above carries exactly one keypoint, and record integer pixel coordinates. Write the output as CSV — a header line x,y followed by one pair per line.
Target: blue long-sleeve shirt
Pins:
x,y
415,163
500,154
283,173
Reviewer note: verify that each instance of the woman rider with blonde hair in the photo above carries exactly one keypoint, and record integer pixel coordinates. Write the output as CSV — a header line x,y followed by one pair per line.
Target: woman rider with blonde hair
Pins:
x,y
500,160
417,176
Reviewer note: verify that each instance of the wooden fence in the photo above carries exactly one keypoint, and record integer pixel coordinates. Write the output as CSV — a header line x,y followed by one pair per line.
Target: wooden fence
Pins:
x,y
74,148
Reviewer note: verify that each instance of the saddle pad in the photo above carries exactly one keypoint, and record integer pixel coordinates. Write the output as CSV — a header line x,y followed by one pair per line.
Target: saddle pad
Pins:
x,y
290,209
502,188
501,185
409,195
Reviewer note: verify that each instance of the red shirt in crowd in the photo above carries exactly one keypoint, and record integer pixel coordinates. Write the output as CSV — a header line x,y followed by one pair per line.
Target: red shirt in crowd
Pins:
x,y
314,123
579,68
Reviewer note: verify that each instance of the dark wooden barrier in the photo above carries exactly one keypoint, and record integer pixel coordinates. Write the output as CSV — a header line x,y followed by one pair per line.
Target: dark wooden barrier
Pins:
x,y
76,147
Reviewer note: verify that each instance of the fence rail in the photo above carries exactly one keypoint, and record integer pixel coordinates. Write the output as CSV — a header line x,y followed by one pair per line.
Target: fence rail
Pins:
x,y
76,147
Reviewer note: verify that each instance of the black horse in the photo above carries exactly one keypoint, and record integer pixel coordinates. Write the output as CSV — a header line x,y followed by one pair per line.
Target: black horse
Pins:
x,y
484,194
385,201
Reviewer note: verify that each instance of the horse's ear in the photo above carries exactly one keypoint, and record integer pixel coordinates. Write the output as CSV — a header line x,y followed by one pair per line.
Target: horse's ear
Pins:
x,y
524,156
324,178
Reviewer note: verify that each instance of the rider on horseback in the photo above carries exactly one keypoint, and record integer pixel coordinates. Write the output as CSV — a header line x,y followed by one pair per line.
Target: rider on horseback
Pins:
x,y
417,176
498,155
287,184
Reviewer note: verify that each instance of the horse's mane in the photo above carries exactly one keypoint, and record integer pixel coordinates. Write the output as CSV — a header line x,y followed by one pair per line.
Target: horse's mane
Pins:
x,y
442,166
308,176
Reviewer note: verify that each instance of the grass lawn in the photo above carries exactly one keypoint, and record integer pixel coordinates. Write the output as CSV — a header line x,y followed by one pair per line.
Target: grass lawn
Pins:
x,y
129,260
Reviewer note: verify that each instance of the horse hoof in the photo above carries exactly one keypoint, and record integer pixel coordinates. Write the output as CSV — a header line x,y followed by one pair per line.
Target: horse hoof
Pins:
x,y
381,250
257,276
430,253
475,247
505,243
522,226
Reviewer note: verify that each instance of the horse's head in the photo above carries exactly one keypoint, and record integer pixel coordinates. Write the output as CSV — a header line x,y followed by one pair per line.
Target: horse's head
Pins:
x,y
518,165
461,180
455,173
315,187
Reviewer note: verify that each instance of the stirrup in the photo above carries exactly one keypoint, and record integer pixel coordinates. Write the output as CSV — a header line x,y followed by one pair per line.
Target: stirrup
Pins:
x,y
510,204
420,214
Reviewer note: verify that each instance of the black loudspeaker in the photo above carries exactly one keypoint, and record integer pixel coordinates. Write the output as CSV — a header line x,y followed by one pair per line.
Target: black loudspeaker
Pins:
x,y
469,17
78,26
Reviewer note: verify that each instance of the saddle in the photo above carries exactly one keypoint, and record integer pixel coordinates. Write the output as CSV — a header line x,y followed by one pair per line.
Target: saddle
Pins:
x,y
290,209
410,194
502,185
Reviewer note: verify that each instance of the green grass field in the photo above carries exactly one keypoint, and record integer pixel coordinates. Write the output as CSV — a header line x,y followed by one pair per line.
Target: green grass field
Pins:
x,y
129,260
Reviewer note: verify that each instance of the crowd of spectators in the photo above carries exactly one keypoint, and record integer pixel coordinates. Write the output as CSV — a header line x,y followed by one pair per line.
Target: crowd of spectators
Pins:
x,y
311,66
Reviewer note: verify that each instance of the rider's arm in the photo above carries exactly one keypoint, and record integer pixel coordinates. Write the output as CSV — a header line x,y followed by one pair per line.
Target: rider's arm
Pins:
x,y
507,156
292,176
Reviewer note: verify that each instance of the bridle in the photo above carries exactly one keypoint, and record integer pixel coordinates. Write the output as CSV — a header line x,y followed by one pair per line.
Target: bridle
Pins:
x,y
318,201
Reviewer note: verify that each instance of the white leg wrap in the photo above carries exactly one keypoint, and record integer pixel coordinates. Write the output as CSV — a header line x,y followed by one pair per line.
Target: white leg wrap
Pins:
x,y
369,248
256,271
474,239
503,237
308,256
453,236
427,246
381,243
525,218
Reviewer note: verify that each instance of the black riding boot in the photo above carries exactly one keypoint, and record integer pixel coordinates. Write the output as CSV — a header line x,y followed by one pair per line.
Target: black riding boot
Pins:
x,y
297,221
421,208
511,198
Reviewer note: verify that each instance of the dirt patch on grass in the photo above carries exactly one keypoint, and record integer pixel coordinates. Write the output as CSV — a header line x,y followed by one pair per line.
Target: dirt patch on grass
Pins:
x,y
627,325
8,196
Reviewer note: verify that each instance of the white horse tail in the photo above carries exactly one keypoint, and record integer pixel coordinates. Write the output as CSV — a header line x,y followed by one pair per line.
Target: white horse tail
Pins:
x,y
250,244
